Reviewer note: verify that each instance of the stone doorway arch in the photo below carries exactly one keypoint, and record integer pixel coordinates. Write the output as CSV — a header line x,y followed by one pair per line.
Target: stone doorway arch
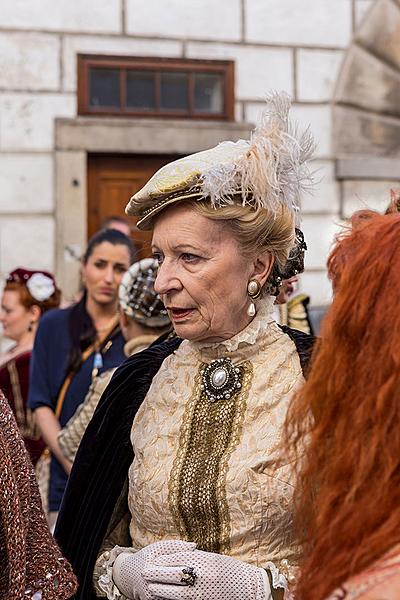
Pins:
x,y
366,103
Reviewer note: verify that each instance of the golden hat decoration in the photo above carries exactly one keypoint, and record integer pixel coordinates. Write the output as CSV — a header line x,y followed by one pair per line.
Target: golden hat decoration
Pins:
x,y
269,170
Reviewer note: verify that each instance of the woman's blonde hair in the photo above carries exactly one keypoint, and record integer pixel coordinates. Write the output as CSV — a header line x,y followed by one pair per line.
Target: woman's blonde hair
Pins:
x,y
256,230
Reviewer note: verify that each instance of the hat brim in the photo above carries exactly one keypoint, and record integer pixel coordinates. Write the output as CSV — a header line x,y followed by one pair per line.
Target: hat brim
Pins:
x,y
145,222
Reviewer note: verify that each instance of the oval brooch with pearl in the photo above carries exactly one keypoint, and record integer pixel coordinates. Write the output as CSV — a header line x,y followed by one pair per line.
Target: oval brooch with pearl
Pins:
x,y
220,379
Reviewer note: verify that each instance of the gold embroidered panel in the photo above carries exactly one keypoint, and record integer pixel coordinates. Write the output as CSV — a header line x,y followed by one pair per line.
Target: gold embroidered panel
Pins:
x,y
209,433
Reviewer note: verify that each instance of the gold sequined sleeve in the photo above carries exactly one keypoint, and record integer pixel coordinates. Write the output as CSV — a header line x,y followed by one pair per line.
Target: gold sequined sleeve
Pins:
x,y
32,566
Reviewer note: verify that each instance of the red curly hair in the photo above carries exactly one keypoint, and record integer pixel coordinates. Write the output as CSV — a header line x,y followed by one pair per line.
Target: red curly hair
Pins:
x,y
27,300
348,481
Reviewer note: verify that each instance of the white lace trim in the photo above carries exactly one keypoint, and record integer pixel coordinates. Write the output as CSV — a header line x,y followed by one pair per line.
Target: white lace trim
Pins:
x,y
279,580
250,334
105,581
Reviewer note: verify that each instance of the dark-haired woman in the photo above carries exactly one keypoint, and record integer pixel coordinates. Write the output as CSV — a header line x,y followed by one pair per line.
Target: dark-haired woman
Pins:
x,y
74,344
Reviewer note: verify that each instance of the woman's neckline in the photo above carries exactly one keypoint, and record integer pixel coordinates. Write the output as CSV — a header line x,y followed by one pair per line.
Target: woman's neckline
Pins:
x,y
262,326
14,352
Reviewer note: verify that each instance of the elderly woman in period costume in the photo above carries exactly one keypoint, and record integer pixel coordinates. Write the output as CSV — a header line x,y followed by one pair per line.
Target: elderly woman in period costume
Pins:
x,y
32,566
27,295
173,493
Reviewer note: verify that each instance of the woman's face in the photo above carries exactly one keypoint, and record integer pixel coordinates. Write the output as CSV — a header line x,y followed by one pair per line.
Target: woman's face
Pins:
x,y
103,272
14,317
288,288
202,277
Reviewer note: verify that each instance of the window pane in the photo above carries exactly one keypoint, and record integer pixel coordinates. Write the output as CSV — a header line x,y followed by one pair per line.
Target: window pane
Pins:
x,y
208,93
140,88
174,91
104,87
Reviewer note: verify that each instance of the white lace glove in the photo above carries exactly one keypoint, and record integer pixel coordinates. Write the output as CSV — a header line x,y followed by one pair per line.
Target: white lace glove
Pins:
x,y
213,577
128,568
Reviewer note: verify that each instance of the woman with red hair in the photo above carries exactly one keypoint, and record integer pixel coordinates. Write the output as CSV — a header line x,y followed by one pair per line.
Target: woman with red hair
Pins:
x,y
348,413
27,295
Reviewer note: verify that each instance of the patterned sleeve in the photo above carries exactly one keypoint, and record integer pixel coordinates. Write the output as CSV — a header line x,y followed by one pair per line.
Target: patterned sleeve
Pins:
x,y
70,436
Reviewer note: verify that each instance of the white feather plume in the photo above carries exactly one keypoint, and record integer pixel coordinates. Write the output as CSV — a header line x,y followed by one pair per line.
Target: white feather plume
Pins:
x,y
272,170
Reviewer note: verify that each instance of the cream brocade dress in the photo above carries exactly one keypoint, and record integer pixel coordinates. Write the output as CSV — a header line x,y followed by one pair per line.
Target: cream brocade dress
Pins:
x,y
203,470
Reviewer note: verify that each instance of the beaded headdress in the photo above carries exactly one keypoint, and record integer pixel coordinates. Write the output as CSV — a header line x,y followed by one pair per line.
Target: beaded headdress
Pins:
x,y
269,170
137,296
294,264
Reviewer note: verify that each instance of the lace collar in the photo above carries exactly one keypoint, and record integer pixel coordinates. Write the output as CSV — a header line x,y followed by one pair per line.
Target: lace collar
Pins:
x,y
262,329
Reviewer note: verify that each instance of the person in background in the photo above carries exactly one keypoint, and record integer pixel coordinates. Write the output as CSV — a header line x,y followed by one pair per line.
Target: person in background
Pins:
x,y
32,566
143,319
360,216
394,205
118,223
347,416
293,311
73,345
27,295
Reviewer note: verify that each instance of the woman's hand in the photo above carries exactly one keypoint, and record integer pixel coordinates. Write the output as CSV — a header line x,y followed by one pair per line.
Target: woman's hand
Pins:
x,y
66,465
129,567
50,429
190,574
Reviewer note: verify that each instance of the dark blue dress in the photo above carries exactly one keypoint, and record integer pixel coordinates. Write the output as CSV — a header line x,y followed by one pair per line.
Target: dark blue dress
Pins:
x,y
48,370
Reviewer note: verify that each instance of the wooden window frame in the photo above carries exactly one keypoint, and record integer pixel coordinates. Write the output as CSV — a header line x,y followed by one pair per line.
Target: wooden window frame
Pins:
x,y
158,66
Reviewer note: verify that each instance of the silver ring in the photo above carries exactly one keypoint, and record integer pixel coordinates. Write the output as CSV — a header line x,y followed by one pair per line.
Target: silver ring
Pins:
x,y
188,576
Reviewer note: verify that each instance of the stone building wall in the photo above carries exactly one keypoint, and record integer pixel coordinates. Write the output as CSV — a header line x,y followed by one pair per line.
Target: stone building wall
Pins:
x,y
292,45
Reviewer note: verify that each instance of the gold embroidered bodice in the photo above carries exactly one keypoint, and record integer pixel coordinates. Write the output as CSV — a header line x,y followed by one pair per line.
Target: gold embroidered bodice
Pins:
x,y
203,470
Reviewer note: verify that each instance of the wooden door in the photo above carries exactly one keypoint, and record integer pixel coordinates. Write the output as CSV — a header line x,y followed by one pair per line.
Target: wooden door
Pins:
x,y
112,180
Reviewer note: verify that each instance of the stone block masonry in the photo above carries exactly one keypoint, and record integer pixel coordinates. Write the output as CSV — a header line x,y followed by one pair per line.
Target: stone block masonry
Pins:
x,y
92,16
26,183
29,61
194,19
27,241
258,69
316,74
323,23
291,45
28,119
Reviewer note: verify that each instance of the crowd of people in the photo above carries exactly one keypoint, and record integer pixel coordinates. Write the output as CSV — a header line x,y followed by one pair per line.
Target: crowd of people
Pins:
x,y
191,438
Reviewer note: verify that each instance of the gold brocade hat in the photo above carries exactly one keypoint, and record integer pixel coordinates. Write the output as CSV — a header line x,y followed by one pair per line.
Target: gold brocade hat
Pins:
x,y
269,170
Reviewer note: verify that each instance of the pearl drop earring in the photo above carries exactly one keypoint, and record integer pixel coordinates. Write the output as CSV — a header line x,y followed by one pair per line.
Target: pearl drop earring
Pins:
x,y
251,310
253,290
